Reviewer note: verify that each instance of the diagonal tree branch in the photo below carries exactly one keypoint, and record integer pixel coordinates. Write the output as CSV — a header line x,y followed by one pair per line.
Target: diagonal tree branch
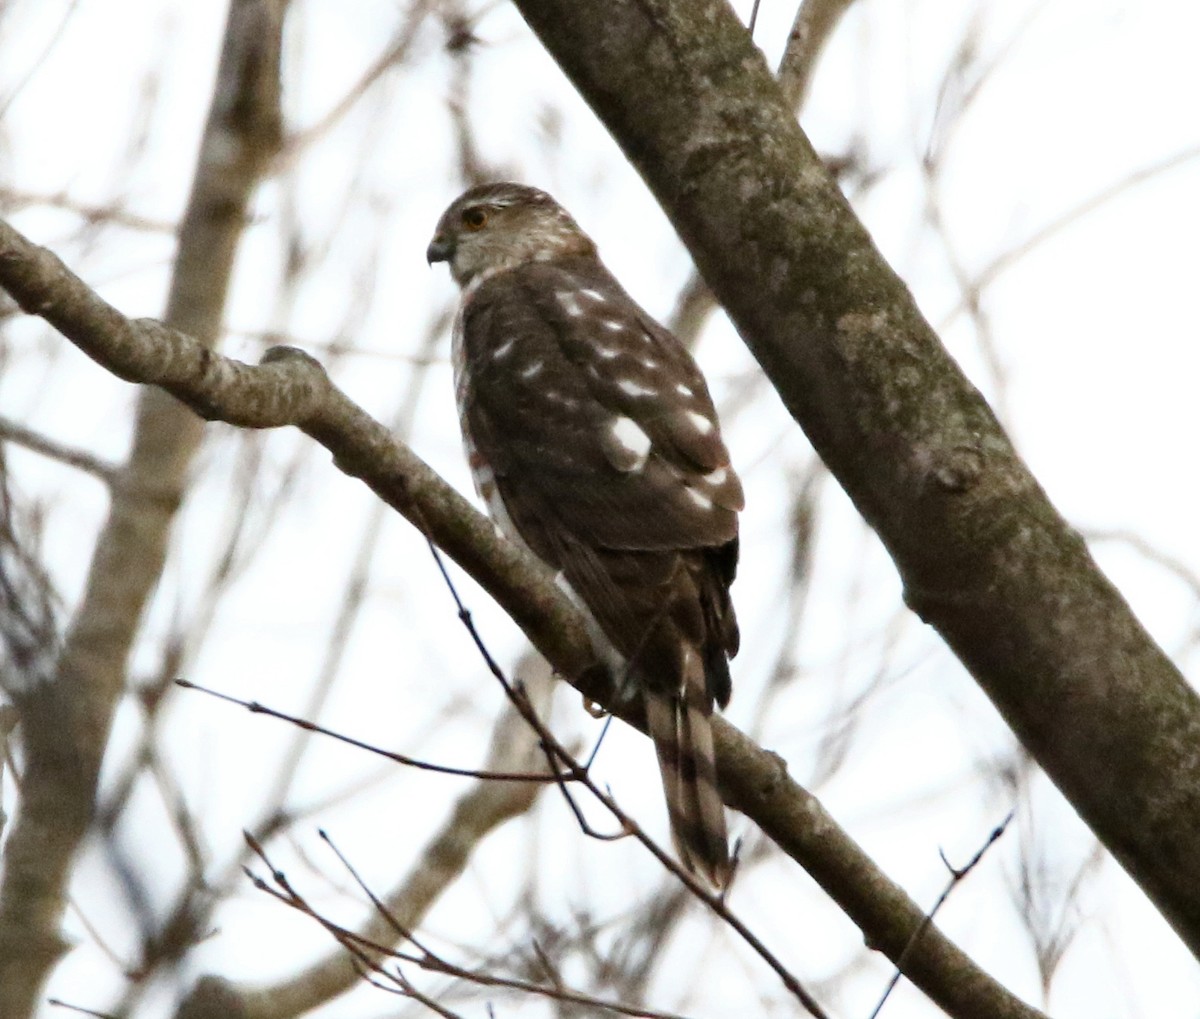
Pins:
x,y
983,555
290,388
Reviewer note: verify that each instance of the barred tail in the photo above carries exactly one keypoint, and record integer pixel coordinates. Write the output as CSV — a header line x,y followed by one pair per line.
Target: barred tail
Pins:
x,y
681,728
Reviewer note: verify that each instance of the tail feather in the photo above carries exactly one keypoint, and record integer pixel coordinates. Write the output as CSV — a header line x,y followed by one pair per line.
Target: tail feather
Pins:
x,y
681,727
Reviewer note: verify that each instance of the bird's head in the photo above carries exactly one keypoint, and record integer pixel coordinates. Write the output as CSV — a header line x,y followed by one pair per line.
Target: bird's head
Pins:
x,y
494,227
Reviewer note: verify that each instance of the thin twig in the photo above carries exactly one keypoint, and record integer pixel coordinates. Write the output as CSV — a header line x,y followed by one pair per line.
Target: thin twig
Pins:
x,y
79,1009
552,760
363,949
401,931
110,214
442,769
753,18
599,742
957,874
393,55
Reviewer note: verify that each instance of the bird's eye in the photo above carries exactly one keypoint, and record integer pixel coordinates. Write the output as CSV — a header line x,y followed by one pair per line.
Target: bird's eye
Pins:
x,y
475,219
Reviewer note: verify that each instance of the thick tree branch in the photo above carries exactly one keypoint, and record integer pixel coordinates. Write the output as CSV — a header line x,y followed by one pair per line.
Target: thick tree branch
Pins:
x,y
291,388
65,721
983,555
810,32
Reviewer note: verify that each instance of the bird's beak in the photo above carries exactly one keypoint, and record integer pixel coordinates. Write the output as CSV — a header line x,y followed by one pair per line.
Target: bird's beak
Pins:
x,y
441,249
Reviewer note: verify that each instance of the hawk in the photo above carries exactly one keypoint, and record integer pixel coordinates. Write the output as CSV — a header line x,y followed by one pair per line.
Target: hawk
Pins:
x,y
594,442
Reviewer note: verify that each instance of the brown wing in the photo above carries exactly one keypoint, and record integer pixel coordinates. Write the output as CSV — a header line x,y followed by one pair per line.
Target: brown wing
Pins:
x,y
603,440
577,388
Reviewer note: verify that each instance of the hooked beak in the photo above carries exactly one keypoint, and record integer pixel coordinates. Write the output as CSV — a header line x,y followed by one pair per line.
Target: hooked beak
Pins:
x,y
441,249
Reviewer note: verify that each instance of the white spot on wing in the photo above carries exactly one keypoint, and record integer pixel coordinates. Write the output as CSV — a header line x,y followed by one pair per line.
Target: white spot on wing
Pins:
x,y
570,303
608,353
532,370
630,437
683,390
613,325
631,388
717,477
700,422
504,349
699,498
593,295
649,363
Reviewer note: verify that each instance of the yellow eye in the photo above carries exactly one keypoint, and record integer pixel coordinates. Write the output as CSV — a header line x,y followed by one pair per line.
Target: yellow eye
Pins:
x,y
475,218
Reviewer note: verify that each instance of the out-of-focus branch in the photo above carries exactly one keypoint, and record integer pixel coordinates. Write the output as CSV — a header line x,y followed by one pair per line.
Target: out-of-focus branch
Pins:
x,y
65,720
8,721
983,555
393,55
811,30
89,463
111,214
988,275
290,388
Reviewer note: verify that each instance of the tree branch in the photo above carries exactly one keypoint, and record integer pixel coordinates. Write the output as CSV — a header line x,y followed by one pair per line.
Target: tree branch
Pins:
x,y
290,388
81,459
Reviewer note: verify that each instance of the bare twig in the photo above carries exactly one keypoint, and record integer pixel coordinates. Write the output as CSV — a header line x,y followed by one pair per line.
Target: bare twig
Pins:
x,y
79,1009
369,953
753,17
35,64
1002,263
475,814
442,769
111,213
957,874
392,56
1151,552
811,30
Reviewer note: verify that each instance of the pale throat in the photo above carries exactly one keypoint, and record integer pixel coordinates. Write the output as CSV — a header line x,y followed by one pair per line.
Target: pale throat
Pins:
x,y
541,245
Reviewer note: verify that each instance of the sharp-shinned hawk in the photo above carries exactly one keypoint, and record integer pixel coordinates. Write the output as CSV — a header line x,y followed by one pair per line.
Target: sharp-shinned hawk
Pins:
x,y
593,440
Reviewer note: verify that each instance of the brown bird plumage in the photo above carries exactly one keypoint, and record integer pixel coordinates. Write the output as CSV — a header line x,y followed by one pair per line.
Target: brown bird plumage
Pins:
x,y
593,440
